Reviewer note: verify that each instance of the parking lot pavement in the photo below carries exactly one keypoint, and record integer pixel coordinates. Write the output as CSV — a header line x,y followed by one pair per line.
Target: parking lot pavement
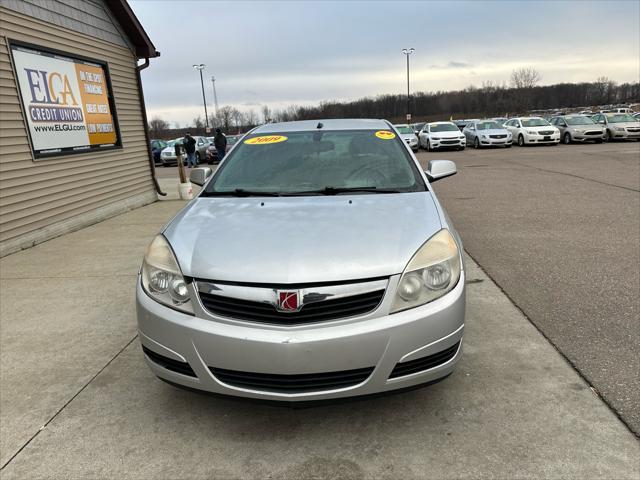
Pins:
x,y
558,228
70,361
65,310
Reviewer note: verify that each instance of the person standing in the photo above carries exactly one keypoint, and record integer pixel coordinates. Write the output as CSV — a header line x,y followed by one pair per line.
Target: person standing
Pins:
x,y
220,142
189,144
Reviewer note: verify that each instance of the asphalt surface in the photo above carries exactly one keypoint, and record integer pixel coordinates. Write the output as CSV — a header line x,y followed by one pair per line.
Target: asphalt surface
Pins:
x,y
77,400
558,229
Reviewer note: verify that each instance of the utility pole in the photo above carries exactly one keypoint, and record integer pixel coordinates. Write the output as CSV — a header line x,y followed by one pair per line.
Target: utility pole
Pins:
x,y
215,97
201,67
407,52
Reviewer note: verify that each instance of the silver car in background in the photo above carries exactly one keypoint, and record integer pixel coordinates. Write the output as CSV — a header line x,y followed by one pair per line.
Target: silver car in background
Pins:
x,y
487,133
619,126
316,263
408,135
578,128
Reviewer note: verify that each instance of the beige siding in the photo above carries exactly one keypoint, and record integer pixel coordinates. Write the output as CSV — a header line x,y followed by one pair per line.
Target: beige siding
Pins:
x,y
34,195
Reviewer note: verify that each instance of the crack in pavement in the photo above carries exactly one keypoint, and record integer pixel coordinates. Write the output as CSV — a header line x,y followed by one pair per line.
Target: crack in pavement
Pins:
x,y
576,176
67,403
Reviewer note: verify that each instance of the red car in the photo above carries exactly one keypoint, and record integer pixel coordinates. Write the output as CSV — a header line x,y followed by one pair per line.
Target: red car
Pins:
x,y
212,154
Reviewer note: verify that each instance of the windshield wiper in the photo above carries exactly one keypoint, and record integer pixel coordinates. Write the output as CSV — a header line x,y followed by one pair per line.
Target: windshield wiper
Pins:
x,y
240,192
339,190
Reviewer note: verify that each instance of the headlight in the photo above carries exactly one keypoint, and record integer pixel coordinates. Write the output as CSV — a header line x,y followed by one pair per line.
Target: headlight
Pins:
x,y
532,132
618,129
435,138
484,136
461,138
433,271
162,278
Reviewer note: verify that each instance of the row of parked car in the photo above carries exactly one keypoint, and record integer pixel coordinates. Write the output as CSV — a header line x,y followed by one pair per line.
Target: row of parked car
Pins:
x,y
164,152
503,132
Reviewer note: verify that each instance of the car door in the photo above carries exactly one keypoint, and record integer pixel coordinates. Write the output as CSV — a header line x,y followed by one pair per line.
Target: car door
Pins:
x,y
470,132
423,136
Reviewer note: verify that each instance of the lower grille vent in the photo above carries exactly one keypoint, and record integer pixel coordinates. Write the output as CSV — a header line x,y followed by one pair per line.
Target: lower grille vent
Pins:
x,y
307,382
168,363
424,363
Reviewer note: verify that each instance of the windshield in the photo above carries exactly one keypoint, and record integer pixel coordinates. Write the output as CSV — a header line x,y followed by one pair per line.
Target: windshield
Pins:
x,y
317,163
404,129
578,120
620,118
444,127
535,122
231,140
489,126
171,143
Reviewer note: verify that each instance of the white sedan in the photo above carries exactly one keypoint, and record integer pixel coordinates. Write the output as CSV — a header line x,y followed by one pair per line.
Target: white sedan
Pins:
x,y
532,131
441,135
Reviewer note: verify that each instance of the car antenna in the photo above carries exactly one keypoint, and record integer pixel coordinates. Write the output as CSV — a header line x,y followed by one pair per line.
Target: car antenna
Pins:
x,y
320,125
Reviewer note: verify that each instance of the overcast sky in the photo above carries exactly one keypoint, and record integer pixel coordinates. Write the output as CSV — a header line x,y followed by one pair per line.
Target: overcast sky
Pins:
x,y
282,53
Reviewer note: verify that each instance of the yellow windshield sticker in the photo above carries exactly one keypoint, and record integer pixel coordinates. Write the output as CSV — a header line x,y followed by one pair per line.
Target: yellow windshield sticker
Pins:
x,y
385,134
266,139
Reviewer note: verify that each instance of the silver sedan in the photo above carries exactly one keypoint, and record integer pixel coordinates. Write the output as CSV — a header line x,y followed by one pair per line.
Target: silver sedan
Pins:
x,y
316,263
487,133
578,128
408,135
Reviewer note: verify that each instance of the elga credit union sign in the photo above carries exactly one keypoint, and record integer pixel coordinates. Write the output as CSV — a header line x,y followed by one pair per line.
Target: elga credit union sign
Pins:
x,y
67,102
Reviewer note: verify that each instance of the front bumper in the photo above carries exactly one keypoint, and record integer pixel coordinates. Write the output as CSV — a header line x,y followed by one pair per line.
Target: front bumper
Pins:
x,y
624,134
585,137
495,142
204,342
448,143
537,139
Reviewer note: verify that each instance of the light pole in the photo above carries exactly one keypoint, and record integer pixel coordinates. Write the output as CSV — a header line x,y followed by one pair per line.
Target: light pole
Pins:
x,y
201,67
407,52
215,97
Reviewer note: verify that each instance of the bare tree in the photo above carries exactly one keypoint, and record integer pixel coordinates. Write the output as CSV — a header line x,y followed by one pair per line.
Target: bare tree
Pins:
x,y
604,87
266,114
225,114
251,118
198,123
158,127
525,77
238,117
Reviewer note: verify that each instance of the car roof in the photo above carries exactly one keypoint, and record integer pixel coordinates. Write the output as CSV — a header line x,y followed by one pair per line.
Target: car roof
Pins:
x,y
438,123
329,124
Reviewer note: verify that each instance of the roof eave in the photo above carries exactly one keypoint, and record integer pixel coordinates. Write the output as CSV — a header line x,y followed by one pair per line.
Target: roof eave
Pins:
x,y
143,45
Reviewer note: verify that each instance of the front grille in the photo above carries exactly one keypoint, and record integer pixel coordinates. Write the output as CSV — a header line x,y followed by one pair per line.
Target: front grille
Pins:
x,y
450,142
299,383
593,132
633,130
497,136
424,363
342,307
545,132
168,363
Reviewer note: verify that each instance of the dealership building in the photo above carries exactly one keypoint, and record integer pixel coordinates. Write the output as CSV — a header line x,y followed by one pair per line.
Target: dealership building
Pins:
x,y
74,146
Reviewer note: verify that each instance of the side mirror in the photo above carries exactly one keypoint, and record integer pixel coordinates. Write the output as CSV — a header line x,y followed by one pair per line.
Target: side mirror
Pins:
x,y
439,169
199,175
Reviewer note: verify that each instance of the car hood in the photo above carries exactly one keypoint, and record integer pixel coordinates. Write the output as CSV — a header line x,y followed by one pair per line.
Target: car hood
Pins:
x,y
293,240
171,150
408,136
446,134
625,124
540,128
493,131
